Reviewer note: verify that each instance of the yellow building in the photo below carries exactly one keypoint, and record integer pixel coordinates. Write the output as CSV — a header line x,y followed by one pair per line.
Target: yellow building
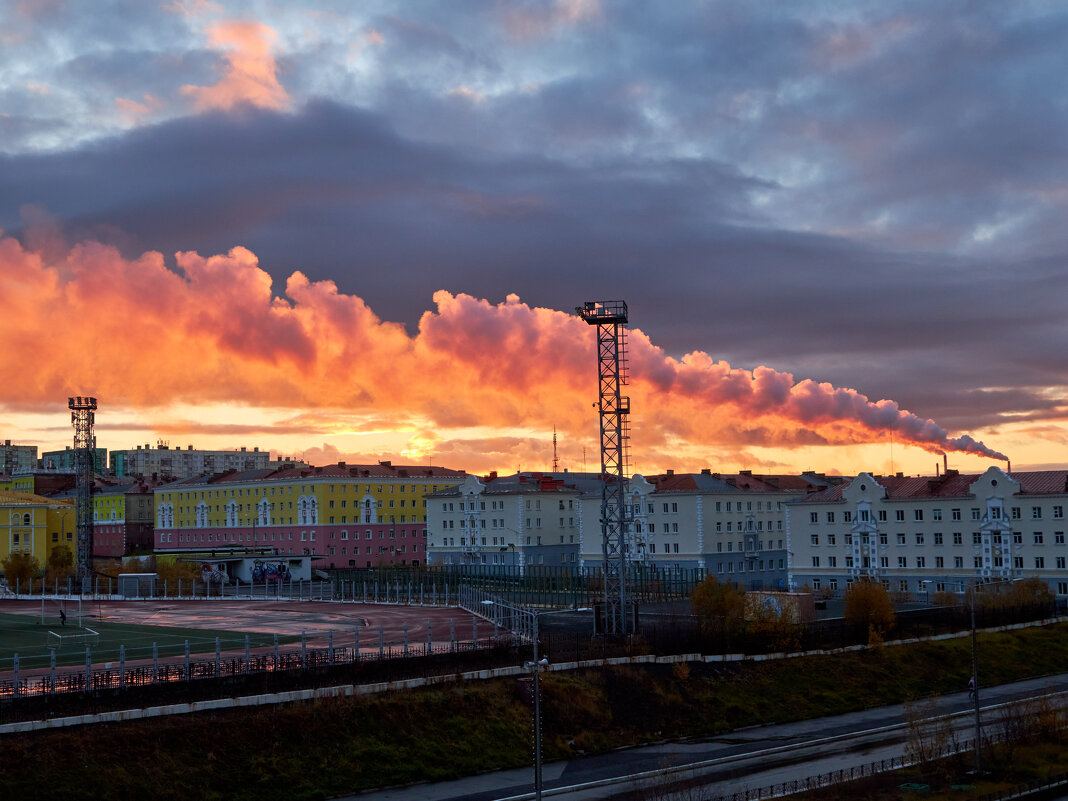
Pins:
x,y
35,525
341,515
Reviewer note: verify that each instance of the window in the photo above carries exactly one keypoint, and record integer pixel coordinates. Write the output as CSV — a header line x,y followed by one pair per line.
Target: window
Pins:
x,y
847,517
940,562
1058,512
882,538
1038,538
958,561
1060,563
830,517
1036,512
936,514
920,562
901,561
864,515
938,538
1058,537
1017,562
975,513
1040,562
1016,513
917,515
901,539
815,561
832,561
1017,538
955,513
813,517
977,538
815,539
830,540
899,515
919,539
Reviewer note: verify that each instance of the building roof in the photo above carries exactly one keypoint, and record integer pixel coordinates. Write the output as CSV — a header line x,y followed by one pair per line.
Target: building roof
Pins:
x,y
744,481
13,498
950,484
340,470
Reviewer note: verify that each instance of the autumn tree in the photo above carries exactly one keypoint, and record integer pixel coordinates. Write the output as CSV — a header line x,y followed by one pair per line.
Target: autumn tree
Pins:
x,y
867,603
719,606
20,567
60,562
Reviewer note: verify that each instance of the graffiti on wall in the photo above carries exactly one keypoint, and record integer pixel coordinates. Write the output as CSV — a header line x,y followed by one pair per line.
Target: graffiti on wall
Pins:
x,y
270,572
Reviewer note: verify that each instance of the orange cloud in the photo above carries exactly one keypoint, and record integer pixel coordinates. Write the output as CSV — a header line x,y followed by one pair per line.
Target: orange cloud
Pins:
x,y
251,73
138,333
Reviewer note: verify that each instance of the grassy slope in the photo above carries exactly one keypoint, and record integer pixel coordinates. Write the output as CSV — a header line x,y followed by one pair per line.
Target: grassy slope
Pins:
x,y
341,746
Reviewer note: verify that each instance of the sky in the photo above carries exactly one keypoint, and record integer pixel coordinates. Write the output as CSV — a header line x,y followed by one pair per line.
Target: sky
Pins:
x,y
358,231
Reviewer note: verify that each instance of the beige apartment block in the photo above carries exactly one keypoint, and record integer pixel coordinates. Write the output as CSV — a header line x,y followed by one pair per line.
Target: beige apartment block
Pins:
x,y
920,535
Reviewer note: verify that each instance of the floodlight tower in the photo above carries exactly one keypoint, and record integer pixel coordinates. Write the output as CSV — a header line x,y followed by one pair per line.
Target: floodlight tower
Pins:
x,y
610,317
83,417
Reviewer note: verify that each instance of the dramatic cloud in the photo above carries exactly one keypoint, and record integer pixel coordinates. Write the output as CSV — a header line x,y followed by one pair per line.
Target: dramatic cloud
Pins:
x,y
251,73
867,196
220,333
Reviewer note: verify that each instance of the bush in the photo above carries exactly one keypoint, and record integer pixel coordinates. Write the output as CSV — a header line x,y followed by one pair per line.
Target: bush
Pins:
x,y
719,606
20,567
867,603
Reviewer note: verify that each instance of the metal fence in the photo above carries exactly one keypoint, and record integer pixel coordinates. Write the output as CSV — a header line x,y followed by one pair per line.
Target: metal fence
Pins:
x,y
300,666
107,587
532,585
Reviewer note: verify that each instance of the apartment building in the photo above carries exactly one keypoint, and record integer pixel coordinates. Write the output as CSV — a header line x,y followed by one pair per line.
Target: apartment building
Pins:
x,y
522,520
924,535
730,525
17,458
341,515
34,525
163,460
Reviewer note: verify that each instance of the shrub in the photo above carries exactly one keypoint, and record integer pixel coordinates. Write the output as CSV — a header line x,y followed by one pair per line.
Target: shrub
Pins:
x,y
867,603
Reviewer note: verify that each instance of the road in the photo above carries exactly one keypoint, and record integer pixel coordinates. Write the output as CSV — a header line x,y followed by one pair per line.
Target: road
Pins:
x,y
751,758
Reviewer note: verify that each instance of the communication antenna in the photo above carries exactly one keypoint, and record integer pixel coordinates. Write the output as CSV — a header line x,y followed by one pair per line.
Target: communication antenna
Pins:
x,y
610,317
556,462
83,417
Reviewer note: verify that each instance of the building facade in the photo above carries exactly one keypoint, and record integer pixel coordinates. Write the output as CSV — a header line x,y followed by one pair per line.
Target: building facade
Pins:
x,y
163,460
523,520
17,458
123,518
65,460
341,515
35,525
925,535
731,526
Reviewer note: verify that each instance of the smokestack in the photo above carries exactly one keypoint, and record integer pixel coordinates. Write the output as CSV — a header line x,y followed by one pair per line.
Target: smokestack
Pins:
x,y
1008,467
945,462
936,470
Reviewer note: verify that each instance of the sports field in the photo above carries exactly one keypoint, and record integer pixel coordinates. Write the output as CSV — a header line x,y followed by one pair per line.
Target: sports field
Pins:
x,y
170,623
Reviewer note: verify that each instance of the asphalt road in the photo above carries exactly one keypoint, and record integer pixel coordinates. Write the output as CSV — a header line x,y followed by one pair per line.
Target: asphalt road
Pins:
x,y
751,758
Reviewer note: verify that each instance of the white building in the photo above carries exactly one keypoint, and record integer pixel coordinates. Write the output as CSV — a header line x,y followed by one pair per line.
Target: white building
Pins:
x,y
528,519
921,534
732,526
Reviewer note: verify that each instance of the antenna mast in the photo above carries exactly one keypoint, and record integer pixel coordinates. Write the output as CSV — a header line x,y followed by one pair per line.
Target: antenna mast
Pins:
x,y
556,462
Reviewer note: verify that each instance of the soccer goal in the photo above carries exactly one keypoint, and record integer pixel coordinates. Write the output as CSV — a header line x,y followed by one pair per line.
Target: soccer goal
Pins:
x,y
76,639
61,612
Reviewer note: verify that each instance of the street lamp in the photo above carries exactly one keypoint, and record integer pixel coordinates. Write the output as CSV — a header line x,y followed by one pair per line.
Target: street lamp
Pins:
x,y
535,665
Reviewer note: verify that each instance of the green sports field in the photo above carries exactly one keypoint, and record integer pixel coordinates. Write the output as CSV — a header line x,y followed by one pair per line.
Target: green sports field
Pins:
x,y
26,636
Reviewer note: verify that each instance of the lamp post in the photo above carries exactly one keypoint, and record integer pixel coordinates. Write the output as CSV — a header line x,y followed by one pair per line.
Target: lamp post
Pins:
x,y
975,694
535,665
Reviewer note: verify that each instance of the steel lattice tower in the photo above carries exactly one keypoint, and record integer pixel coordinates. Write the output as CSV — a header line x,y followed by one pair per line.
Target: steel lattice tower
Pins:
x,y
83,417
610,317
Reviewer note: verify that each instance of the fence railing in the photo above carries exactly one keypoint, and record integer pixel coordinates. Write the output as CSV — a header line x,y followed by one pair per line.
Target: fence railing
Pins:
x,y
360,646
107,587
